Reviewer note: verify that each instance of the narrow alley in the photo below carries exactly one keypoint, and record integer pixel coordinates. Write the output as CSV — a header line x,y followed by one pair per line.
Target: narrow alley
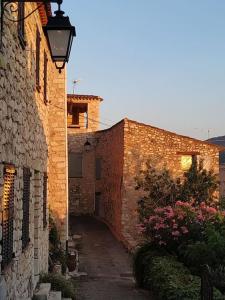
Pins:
x,y
106,262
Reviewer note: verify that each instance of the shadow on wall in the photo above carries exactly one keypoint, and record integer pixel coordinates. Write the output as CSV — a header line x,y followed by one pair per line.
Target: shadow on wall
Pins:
x,y
23,143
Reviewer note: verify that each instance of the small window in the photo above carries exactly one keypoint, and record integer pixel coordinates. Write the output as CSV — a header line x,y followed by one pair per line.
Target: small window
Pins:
x,y
98,168
75,165
26,207
38,48
21,26
45,189
7,215
186,162
45,78
75,116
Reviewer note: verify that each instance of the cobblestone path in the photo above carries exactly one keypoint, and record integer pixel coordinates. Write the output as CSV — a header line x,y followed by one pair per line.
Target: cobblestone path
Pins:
x,y
106,262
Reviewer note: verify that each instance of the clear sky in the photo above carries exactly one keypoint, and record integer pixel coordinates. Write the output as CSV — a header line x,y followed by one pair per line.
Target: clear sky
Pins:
x,y
161,62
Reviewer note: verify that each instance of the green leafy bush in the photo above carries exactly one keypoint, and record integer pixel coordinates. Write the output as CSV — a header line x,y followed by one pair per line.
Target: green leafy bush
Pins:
x,y
60,283
168,278
142,261
207,251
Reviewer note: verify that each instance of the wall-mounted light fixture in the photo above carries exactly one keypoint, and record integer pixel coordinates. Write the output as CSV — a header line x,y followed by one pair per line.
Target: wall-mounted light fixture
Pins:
x,y
87,146
59,31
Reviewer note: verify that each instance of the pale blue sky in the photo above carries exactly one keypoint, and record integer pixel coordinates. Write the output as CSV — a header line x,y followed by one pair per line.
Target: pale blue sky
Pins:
x,y
160,62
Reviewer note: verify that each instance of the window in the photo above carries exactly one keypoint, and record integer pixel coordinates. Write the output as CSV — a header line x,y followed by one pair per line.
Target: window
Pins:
x,y
45,189
77,115
75,165
98,168
26,207
38,47
187,161
21,27
45,78
7,215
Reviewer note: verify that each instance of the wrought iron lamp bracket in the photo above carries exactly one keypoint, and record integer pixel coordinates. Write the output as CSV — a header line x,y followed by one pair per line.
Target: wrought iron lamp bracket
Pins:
x,y
10,4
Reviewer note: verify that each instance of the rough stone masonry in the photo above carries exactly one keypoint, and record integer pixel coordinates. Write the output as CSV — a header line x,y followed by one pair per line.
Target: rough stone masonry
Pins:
x,y
105,183
33,137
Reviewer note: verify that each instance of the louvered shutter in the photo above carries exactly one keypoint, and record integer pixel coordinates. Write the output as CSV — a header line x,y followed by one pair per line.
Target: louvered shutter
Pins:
x,y
26,207
38,49
7,215
45,78
45,187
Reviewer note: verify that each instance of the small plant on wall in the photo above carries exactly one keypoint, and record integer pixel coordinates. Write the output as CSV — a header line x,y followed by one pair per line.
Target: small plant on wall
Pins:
x,y
57,255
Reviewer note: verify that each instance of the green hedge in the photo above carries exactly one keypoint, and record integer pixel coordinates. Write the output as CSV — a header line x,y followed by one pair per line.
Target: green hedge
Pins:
x,y
168,278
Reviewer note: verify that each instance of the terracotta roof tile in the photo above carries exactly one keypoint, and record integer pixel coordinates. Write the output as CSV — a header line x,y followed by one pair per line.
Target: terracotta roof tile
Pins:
x,y
83,97
45,11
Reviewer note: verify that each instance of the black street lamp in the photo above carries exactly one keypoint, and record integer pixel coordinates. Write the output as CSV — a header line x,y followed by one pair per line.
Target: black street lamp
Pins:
x,y
59,31
60,34
87,146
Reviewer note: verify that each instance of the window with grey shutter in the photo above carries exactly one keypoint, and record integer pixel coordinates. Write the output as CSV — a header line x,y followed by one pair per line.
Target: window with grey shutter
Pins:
x,y
98,168
38,48
45,78
26,208
45,190
75,165
21,25
7,215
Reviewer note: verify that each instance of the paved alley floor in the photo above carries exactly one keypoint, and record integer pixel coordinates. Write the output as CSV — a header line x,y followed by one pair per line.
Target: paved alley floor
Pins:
x,y
106,262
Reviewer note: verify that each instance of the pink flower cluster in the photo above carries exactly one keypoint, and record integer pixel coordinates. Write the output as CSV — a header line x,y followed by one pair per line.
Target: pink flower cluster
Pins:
x,y
175,223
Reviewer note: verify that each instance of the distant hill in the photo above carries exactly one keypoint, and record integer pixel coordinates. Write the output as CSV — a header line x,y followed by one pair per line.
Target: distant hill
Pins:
x,y
219,140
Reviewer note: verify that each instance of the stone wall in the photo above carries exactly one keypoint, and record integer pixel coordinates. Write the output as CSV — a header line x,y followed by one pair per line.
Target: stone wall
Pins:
x,y
143,142
110,149
58,155
26,129
82,190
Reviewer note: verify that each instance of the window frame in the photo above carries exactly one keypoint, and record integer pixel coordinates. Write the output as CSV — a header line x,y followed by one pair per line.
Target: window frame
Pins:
x,y
38,55
45,77
45,199
193,154
21,24
9,174
73,174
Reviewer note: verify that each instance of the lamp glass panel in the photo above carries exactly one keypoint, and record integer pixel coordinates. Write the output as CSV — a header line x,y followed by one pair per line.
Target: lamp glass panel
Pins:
x,y
59,42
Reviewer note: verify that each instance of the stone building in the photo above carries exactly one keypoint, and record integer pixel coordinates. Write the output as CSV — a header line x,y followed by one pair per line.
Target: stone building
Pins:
x,y
33,150
220,140
103,165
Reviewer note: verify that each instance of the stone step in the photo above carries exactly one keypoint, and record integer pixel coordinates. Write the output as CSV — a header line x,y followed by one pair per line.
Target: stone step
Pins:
x,y
43,292
55,296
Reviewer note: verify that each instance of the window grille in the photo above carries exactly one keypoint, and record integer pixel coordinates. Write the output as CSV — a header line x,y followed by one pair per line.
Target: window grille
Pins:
x,y
21,26
45,186
26,207
38,48
7,215
45,78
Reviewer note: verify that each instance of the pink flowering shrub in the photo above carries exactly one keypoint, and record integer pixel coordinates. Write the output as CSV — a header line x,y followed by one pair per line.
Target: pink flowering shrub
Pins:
x,y
172,225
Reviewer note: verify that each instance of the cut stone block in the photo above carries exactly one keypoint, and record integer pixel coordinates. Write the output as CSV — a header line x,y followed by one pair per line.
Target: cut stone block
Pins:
x,y
55,296
43,292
